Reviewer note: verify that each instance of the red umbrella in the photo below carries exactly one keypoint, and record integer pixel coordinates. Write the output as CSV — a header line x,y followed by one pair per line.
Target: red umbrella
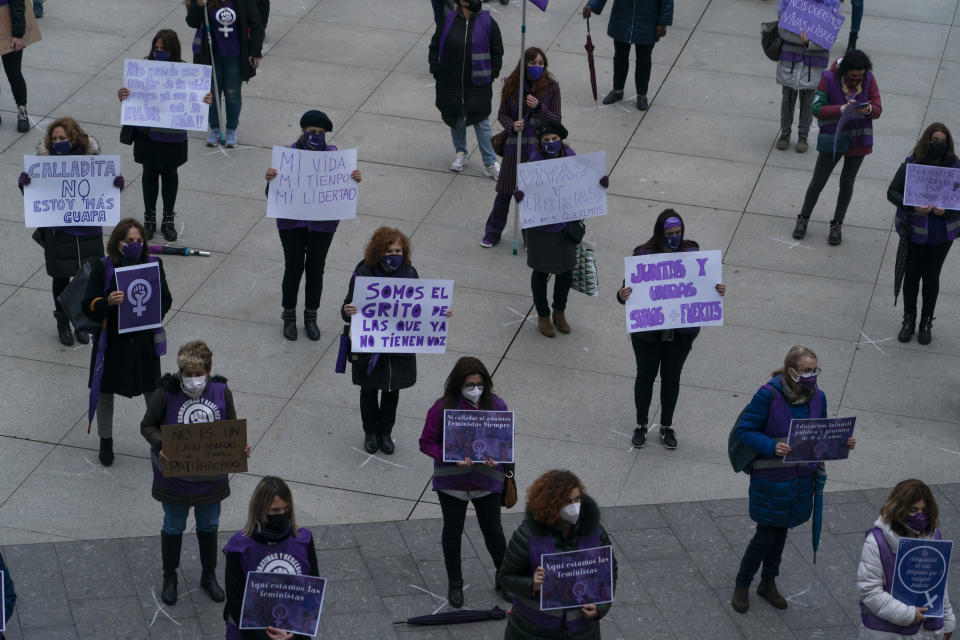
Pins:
x,y
593,72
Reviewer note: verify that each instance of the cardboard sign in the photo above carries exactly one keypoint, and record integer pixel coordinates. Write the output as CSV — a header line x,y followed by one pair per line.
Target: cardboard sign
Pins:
x,y
400,315
920,574
478,435
815,19
313,185
562,189
201,448
937,186
673,290
71,191
576,578
290,603
165,95
30,35
141,306
816,440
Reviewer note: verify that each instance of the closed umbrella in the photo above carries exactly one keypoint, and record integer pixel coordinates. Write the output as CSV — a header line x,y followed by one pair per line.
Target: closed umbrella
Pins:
x,y
593,72
900,265
819,479
457,616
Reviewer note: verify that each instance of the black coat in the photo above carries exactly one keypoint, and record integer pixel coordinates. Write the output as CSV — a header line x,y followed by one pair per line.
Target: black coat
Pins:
x,y
249,26
18,17
63,253
454,72
130,365
393,370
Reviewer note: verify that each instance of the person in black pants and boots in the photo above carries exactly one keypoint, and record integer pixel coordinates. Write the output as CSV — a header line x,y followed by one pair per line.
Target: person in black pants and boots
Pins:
x,y
12,62
663,351
932,232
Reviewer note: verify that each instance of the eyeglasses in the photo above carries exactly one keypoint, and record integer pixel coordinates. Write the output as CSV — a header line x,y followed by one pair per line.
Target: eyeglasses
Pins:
x,y
472,386
809,372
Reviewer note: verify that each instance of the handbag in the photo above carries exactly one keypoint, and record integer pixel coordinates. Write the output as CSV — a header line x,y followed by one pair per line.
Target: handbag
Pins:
x,y
586,280
499,142
341,365
574,231
127,134
72,300
770,39
508,497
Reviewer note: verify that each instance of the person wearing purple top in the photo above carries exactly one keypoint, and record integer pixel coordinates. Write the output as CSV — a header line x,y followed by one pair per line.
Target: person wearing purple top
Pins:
x,y
468,387
306,243
12,61
191,395
160,151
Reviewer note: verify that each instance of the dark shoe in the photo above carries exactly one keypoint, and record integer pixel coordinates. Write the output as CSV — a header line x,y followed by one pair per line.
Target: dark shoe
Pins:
x,y
924,336
170,552
289,317
783,142
106,451
504,1
802,145
834,238
907,328
150,223
561,321
386,444
82,336
768,591
801,229
546,328
310,324
642,103
639,439
23,122
370,442
209,548
63,328
38,9
741,600
613,96
668,438
167,227
852,41
455,594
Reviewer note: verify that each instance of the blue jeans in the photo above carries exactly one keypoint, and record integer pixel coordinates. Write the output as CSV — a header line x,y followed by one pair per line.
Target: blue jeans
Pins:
x,y
228,82
175,517
857,6
482,129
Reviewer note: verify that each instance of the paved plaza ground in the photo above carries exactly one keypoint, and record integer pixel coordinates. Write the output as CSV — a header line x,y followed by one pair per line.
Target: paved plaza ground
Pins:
x,y
73,530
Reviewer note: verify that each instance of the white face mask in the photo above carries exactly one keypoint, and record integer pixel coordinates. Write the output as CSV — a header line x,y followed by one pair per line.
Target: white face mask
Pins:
x,y
473,395
193,387
570,513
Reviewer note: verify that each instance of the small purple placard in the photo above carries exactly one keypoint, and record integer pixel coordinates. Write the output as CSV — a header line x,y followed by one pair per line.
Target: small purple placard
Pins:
x,y
936,186
478,435
576,578
819,440
287,602
140,308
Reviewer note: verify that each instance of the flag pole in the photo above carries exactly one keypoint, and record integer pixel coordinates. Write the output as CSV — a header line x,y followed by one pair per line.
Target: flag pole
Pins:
x,y
523,72
213,74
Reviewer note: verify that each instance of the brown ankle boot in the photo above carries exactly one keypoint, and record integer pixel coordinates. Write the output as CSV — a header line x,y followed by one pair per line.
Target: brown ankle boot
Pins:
x,y
561,321
768,591
546,328
741,599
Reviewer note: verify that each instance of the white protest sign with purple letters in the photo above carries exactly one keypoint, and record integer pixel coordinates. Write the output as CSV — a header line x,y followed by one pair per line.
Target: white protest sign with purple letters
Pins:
x,y
313,185
165,95
815,19
71,191
937,186
562,189
673,290
400,315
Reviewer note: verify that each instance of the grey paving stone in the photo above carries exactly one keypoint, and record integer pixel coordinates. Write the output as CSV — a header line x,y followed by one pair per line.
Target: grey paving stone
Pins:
x,y
100,562
342,564
47,633
378,539
641,622
114,617
346,596
393,575
691,525
39,581
350,626
642,516
648,544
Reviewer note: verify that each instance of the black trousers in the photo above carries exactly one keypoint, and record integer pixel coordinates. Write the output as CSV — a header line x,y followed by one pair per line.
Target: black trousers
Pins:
x,y
304,251
59,284
488,517
378,409
668,359
924,262
561,288
766,548
11,66
621,64
821,173
151,187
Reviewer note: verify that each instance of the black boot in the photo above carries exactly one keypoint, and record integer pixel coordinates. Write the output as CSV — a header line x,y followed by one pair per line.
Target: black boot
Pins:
x,y
503,593
835,236
289,317
852,42
170,551
908,327
207,542
82,336
150,223
63,328
106,451
371,442
167,227
455,594
924,336
386,443
310,324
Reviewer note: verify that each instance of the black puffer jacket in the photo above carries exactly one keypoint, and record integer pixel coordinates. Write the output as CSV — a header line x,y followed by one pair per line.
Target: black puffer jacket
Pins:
x,y
18,17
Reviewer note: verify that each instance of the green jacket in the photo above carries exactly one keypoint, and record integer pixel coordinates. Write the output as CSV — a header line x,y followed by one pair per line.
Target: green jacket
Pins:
x,y
515,576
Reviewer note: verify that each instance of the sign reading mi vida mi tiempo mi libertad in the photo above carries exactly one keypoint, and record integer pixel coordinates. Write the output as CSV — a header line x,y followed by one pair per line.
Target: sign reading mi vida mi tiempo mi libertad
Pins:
x,y
576,578
284,601
313,185
165,95
400,315
71,191
936,186
673,290
819,23
204,448
562,189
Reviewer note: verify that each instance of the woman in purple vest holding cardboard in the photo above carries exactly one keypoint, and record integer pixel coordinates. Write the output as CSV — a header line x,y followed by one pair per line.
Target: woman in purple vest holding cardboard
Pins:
x,y
909,512
560,517
469,387
270,542
189,396
932,232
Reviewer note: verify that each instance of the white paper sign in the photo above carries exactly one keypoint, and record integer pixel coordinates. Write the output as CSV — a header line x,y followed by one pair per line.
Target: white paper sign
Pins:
x,y
71,191
313,185
400,315
562,189
165,95
673,290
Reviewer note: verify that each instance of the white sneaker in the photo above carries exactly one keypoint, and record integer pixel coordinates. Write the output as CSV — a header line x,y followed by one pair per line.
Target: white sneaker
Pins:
x,y
486,244
492,171
459,162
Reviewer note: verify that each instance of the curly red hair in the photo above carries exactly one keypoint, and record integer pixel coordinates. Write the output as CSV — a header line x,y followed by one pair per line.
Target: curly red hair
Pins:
x,y
550,493
381,240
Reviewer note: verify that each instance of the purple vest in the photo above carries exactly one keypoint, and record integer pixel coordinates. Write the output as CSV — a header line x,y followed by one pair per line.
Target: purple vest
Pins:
x,y
481,65
778,426
530,141
920,225
165,135
795,53
856,133
320,226
570,619
479,477
887,559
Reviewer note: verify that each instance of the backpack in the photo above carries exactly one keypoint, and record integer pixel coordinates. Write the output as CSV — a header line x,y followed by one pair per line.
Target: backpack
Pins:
x,y
771,40
741,456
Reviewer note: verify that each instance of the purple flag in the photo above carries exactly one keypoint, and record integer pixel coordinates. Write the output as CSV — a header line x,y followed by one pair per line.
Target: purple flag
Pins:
x,y
540,4
140,308
478,435
815,440
576,578
290,603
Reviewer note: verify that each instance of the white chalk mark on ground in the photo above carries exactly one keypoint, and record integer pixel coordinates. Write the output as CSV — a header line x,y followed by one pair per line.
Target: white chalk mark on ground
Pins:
x,y
373,456
797,595
625,435
160,609
225,151
615,104
949,450
443,601
523,316
82,474
792,244
876,343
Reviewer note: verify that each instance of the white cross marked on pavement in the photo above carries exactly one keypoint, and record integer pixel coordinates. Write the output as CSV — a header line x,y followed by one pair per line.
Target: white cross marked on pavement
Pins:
x,y
523,317
625,435
444,602
160,609
615,104
373,456
875,343
792,244
797,595
225,151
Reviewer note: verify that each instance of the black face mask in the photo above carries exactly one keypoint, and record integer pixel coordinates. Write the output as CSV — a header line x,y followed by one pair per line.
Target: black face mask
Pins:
x,y
938,149
277,526
475,6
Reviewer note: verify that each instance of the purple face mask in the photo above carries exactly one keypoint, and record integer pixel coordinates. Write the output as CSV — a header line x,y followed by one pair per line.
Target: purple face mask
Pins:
x,y
132,250
808,382
917,522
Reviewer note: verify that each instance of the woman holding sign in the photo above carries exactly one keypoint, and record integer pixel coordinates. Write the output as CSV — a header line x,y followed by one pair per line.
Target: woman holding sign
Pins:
x,y
910,512
131,361
932,231
469,387
560,517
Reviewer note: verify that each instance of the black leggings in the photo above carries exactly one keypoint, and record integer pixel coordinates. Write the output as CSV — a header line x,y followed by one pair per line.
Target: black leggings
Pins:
x,y
303,251
668,359
621,64
765,548
11,66
561,287
59,284
378,409
488,517
924,262
151,187
821,173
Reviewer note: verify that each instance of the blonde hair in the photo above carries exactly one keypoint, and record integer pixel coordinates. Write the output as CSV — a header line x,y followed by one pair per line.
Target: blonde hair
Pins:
x,y
790,361
269,488
195,354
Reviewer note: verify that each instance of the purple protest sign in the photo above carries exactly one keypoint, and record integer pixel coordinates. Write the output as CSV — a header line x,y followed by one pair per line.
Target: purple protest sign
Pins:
x,y
576,578
140,308
400,315
926,185
819,22
540,4
478,435
287,602
920,578
817,440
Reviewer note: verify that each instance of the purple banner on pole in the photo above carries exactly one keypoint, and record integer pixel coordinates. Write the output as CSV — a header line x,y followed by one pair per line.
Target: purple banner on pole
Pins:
x,y
140,308
478,435
818,440
936,186
540,4
290,603
576,578
920,578
820,22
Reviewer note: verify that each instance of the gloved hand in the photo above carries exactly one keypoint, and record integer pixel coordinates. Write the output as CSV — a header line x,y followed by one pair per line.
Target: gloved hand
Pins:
x,y
605,181
118,182
518,196
23,180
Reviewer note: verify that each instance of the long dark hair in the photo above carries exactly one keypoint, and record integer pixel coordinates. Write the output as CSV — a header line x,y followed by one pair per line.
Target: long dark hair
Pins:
x,y
119,233
171,43
656,244
922,150
511,86
453,387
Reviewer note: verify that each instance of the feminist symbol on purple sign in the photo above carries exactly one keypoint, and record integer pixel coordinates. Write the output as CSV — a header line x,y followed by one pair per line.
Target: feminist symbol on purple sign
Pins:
x,y
139,291
819,449
478,447
580,591
279,615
